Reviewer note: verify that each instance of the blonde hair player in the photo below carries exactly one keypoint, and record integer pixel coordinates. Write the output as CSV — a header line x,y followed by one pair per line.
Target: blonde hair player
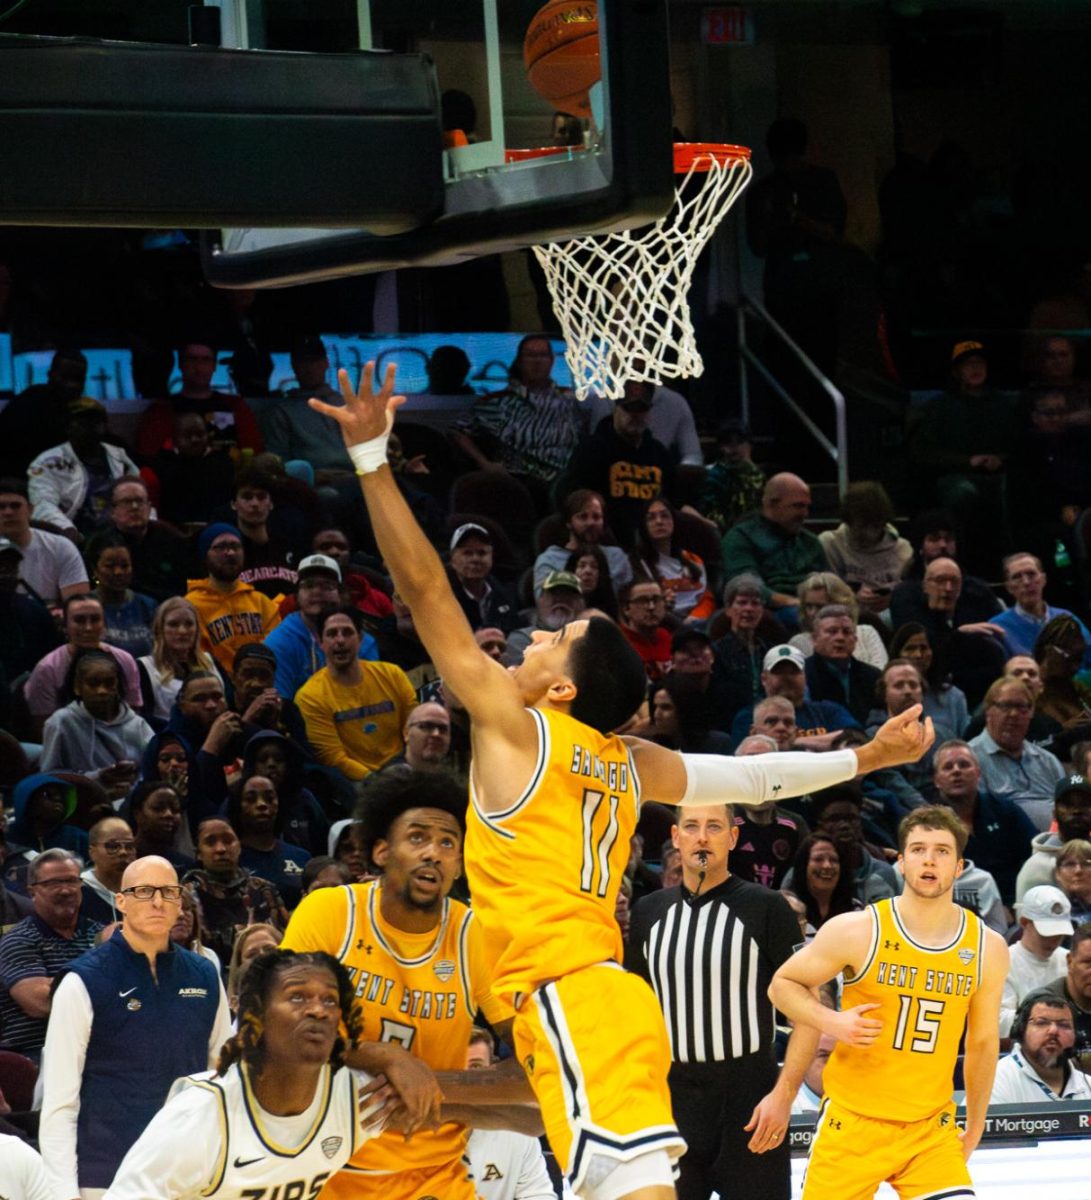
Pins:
x,y
918,970
555,797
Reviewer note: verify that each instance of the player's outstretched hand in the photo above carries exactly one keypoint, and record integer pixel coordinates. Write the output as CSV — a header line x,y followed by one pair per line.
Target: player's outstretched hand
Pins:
x,y
902,739
854,1026
366,413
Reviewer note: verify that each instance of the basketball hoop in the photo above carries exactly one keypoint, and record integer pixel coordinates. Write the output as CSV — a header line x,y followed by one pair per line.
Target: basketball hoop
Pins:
x,y
621,298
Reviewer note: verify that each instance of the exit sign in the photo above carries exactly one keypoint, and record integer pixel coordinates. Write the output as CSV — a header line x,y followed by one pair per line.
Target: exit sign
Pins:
x,y
727,27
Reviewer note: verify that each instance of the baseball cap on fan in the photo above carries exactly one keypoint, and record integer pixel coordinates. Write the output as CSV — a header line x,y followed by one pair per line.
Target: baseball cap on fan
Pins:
x,y
464,531
783,654
319,563
1048,910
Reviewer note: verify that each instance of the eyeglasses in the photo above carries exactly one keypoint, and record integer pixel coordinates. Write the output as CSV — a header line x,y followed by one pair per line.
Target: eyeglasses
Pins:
x,y
430,726
113,847
1045,1022
646,601
146,891
1010,706
51,885
1075,864
130,501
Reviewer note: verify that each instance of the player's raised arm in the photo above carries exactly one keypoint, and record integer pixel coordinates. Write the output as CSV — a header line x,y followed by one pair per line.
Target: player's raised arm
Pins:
x,y
840,945
983,1039
698,779
366,419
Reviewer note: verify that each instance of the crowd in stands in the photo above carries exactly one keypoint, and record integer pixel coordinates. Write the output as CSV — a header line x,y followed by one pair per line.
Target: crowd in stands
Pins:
x,y
202,656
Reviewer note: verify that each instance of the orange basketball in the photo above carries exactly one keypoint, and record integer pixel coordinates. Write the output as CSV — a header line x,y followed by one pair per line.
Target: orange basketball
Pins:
x,y
561,53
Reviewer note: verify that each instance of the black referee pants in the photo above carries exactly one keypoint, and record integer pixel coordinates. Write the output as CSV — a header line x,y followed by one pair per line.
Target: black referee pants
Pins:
x,y
712,1102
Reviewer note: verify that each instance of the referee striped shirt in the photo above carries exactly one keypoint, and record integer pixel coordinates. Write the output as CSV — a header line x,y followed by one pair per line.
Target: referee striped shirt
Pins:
x,y
710,962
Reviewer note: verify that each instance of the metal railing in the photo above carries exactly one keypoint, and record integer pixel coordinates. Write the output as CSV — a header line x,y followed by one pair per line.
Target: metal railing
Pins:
x,y
748,359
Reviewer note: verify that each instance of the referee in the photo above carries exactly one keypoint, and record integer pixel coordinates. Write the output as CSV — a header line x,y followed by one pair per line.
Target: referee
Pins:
x,y
709,948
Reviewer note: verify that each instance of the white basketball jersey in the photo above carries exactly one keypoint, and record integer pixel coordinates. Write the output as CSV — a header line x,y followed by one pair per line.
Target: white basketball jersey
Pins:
x,y
213,1139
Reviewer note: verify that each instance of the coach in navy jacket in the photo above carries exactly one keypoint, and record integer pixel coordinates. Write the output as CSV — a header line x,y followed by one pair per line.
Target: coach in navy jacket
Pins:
x,y
127,1019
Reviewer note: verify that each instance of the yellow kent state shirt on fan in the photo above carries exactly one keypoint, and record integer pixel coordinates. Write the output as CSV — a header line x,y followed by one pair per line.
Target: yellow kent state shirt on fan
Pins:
x,y
418,989
545,873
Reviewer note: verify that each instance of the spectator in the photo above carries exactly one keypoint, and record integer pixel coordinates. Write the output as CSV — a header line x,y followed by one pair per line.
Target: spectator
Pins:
x,y
268,559
532,427
588,563
111,847
399,644
831,671
49,685
484,599
257,818
768,835
229,418
427,735
1072,819
584,513
670,422
1073,877
324,871
1000,830
253,941
961,600
1037,959
680,718
733,483
50,567
448,366
558,603
91,1050
194,479
941,700
294,430
1075,987
42,805
775,717
660,555
1060,649
493,642
229,896
176,653
823,588
865,550
161,557
35,950
838,813
372,601
349,847
295,640
642,610
773,545
1013,768
231,613
816,720
97,733
1040,1066
128,614
68,484
30,422
816,878
156,811
736,675
623,462
355,711
279,759
1025,582
27,629
693,658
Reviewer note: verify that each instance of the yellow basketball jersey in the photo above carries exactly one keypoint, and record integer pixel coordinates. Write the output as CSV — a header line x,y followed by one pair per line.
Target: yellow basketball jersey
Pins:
x,y
545,873
419,989
923,996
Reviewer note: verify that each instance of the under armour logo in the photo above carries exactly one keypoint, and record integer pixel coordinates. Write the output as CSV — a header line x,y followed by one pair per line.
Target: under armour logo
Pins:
x,y
834,1124
775,788
889,945
360,946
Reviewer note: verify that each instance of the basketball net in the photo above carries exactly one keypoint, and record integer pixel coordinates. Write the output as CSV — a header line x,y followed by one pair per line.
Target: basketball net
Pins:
x,y
621,298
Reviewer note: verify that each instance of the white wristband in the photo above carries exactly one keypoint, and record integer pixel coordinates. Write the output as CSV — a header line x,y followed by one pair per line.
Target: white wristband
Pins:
x,y
368,457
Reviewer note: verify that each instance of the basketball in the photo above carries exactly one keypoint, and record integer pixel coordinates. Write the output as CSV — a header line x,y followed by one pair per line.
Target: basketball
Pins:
x,y
561,53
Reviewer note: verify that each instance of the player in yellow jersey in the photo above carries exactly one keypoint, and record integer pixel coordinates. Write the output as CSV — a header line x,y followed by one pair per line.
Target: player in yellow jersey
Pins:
x,y
919,970
418,973
555,798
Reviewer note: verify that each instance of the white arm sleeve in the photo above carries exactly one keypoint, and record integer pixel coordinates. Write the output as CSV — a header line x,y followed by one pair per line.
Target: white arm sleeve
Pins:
x,y
176,1155
69,1030
758,778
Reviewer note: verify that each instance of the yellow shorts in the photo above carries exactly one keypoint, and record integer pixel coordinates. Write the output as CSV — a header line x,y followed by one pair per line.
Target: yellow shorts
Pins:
x,y
851,1155
596,1052
450,1181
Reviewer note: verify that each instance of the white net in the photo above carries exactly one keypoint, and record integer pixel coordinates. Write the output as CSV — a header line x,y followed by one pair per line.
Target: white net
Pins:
x,y
622,298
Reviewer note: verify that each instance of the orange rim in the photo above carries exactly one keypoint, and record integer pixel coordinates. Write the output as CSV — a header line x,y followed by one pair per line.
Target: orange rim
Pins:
x,y
699,156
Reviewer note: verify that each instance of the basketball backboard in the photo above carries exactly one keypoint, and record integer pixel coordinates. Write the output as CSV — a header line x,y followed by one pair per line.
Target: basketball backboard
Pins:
x,y
619,176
